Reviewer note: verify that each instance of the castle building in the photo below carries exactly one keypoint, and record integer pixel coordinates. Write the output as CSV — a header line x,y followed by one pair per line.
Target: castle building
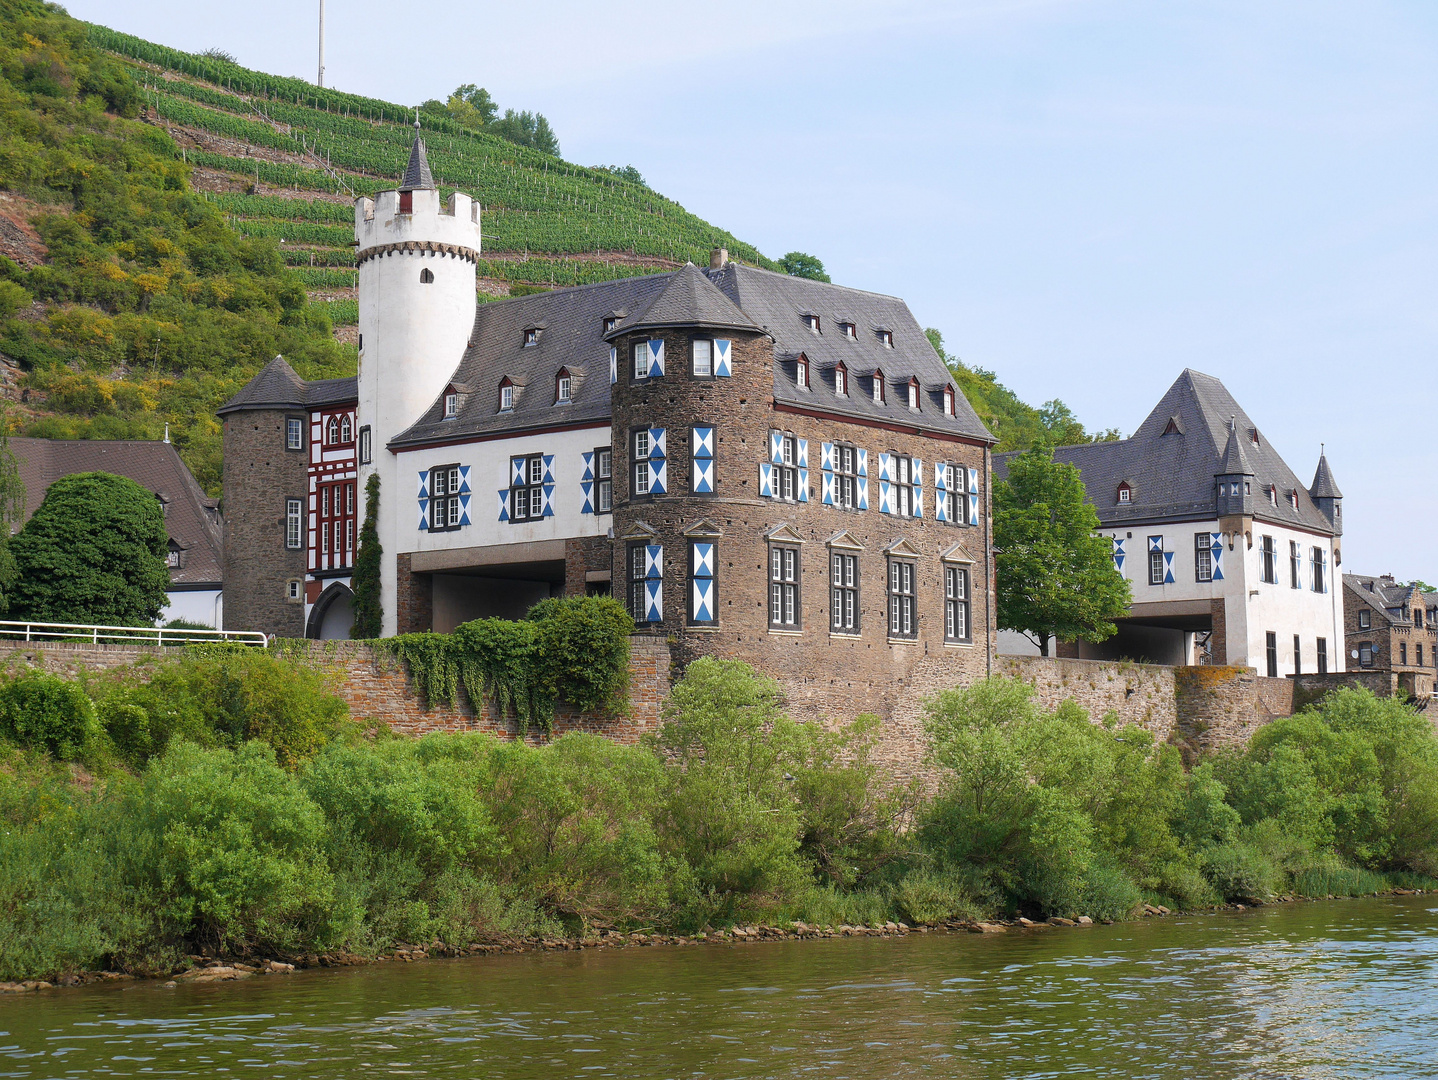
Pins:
x,y
1392,627
1229,558
760,466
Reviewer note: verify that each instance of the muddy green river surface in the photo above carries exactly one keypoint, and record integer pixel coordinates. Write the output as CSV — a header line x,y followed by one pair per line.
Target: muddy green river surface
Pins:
x,y
1338,989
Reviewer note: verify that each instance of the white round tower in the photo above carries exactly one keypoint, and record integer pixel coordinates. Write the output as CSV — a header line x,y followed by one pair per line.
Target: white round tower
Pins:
x,y
416,262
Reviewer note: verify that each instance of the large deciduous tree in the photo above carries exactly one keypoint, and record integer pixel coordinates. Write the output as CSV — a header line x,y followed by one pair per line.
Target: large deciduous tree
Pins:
x,y
1054,573
94,552
801,264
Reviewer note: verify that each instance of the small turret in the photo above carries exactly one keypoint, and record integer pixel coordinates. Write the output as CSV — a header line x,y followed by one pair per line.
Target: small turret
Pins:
x,y
1234,490
1328,499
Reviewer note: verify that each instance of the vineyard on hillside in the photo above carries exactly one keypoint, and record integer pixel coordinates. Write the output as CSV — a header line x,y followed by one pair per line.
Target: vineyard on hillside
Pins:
x,y
282,159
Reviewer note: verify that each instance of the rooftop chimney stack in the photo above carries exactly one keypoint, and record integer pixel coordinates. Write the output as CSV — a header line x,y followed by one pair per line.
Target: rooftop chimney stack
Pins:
x,y
718,258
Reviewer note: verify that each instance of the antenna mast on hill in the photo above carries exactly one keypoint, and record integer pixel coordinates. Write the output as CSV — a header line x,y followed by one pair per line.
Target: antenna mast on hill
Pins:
x,y
321,80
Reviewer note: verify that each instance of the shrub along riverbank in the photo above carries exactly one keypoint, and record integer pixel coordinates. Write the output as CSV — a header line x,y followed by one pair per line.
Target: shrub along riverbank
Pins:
x,y
227,806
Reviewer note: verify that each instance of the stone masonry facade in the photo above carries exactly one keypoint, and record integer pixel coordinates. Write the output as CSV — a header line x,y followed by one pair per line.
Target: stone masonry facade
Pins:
x,y
260,474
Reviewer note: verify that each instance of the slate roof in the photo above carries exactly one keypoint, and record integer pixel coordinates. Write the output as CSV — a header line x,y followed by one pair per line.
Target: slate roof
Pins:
x,y
1324,486
571,325
1387,596
278,387
192,518
1171,475
417,176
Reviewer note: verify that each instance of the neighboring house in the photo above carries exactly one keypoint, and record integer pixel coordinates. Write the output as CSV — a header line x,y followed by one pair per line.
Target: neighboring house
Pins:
x,y
758,465
1231,560
1392,627
192,518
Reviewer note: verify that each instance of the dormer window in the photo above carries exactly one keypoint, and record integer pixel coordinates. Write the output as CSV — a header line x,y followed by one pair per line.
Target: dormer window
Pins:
x,y
812,322
531,337
841,381
914,394
1125,493
1273,495
610,323
878,388
506,396
563,386
1293,499
849,330
1253,436
949,408
451,405
886,338
801,373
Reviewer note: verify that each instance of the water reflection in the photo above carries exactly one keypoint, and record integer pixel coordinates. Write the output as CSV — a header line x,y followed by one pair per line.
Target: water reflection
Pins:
x,y
1318,990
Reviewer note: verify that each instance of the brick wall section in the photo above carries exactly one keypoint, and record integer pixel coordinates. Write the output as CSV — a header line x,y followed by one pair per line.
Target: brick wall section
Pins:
x,y
70,659
581,555
414,598
374,684
259,475
1222,705
1218,640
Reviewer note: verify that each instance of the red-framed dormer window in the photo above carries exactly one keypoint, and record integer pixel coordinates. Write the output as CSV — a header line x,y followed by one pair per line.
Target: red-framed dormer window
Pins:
x,y
841,380
949,408
1125,493
506,394
563,387
878,387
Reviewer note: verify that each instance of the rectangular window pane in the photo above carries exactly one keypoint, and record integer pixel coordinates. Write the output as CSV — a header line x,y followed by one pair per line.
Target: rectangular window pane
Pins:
x,y
703,357
641,478
606,496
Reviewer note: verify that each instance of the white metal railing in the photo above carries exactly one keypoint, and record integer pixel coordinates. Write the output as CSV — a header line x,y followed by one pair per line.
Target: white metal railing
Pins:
x,y
137,635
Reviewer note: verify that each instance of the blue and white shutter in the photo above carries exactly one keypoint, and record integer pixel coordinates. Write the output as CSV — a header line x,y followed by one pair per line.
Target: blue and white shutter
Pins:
x,y
658,463
656,357
1216,546
827,494
801,452
723,366
1118,554
548,485
702,599
776,447
886,483
653,583
424,499
613,364
464,494
766,480
861,483
941,487
973,496
703,461
918,487
586,483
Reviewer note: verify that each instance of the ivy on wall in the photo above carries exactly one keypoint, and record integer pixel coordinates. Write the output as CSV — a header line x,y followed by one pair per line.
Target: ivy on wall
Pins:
x,y
574,650
369,616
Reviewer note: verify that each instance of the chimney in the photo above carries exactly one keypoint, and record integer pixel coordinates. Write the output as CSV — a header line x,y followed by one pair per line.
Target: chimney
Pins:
x,y
718,258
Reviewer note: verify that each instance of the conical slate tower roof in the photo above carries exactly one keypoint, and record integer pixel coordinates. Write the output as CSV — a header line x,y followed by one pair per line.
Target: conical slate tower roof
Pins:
x,y
690,299
1235,461
275,386
417,176
1324,486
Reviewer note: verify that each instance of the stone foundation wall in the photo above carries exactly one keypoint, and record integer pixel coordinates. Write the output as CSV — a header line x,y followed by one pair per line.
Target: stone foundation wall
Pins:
x,y
1309,688
70,659
1141,694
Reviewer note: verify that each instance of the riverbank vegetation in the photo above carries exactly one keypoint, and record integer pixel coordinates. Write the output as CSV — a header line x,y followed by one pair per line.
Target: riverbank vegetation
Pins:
x,y
224,804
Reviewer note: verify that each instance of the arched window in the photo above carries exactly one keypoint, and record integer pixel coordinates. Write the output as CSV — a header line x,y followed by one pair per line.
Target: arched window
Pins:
x,y
347,431
332,431
426,276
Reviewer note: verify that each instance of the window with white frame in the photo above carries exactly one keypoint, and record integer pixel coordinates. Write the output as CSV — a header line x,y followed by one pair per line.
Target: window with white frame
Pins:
x,y
1365,620
845,475
638,601
843,592
1202,557
784,601
801,373
451,404
786,474
1268,560
701,352
841,381
604,479
563,387
956,604
294,524
905,479
955,499
346,429
1155,560
848,330
294,433
878,388
1295,565
950,408
640,481
812,322
506,396
914,396
526,491
886,338
531,337
903,617
444,503
364,445
1320,576
642,359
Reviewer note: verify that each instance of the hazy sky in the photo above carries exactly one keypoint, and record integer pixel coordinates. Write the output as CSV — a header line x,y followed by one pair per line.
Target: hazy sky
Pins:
x,y
1085,198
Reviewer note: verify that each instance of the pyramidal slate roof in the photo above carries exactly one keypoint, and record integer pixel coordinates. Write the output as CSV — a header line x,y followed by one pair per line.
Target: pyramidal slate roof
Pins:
x,y
689,299
1196,432
1324,486
417,176
277,386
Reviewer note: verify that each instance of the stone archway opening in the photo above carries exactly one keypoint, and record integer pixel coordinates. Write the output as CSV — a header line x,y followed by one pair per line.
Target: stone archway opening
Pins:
x,y
333,615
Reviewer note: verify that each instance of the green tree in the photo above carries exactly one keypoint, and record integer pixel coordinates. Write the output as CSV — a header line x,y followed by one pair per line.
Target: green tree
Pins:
x,y
1055,575
625,172
527,129
369,614
94,552
799,264
471,106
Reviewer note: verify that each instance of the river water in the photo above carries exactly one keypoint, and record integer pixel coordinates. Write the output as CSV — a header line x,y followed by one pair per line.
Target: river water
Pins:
x,y
1340,989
